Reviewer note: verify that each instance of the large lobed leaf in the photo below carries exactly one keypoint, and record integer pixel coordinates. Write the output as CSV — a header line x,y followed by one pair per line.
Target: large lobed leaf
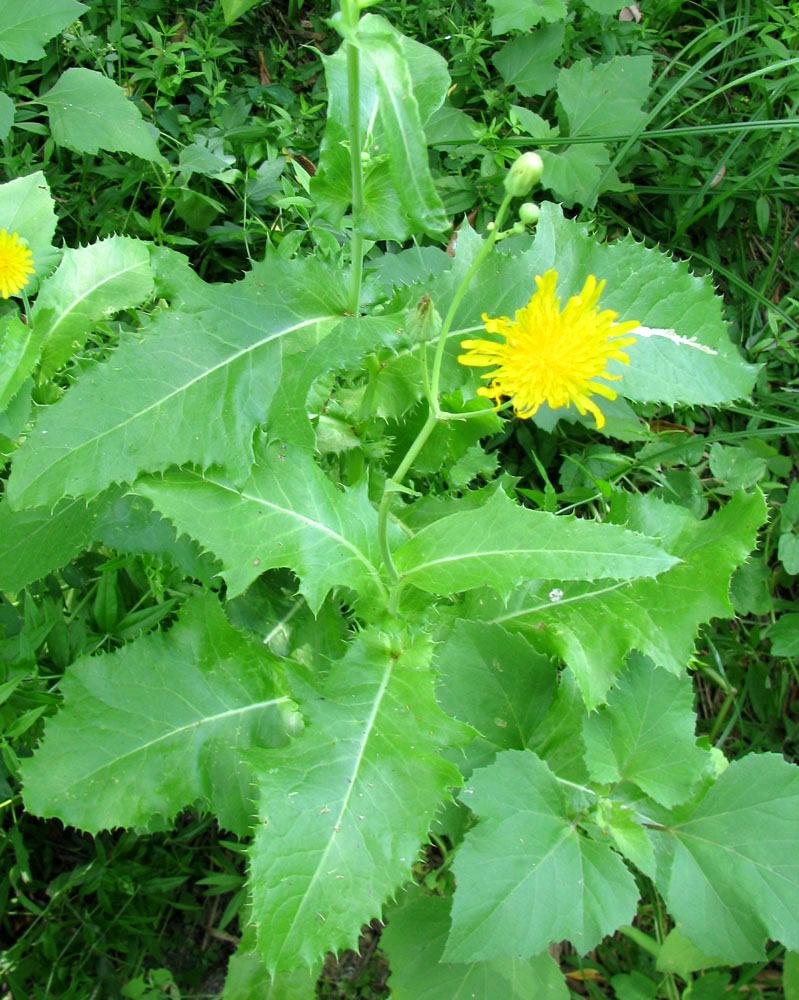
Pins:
x,y
159,725
730,874
414,941
502,543
344,809
191,387
90,282
593,626
287,513
526,875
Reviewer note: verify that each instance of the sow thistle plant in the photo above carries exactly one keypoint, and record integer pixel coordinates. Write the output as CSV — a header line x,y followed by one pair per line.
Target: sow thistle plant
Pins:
x,y
367,655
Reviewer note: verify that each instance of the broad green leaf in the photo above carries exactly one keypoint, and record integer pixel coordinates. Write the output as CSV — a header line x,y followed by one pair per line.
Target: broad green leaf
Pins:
x,y
287,513
681,957
605,99
422,78
631,838
161,724
128,523
35,542
90,282
526,875
7,113
784,636
732,877
233,9
605,6
414,942
503,543
594,626
213,360
27,208
495,682
642,284
19,352
573,173
247,977
521,15
24,28
89,112
528,61
344,810
645,734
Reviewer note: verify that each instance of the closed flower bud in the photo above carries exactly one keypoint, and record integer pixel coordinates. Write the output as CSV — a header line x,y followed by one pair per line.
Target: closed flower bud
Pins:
x,y
524,173
529,213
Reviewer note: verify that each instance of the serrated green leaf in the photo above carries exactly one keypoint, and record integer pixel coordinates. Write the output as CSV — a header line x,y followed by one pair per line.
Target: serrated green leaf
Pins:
x,y
414,941
641,284
128,523
24,29
160,724
631,838
525,874
645,734
343,812
19,352
399,99
784,636
732,879
605,99
247,977
502,543
89,112
527,62
150,405
495,682
593,627
27,208
287,513
35,542
90,282
521,15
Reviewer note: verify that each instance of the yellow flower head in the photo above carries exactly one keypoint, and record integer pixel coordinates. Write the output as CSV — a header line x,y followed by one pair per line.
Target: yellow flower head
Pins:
x,y
551,356
15,264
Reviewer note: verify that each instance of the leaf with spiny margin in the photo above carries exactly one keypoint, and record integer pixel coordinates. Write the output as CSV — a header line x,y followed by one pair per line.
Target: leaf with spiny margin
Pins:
x,y
526,875
247,976
19,352
732,875
35,542
287,513
503,542
495,682
90,283
595,625
158,725
645,734
27,208
345,809
128,523
190,387
414,941
642,284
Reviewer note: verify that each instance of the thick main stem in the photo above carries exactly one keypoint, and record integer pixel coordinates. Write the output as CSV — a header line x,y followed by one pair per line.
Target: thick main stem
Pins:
x,y
350,12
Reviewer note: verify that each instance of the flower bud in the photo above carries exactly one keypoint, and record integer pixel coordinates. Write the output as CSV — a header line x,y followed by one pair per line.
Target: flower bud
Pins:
x,y
524,173
529,213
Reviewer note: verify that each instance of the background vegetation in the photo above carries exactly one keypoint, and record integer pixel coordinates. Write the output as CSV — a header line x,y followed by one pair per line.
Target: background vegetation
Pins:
x,y
710,175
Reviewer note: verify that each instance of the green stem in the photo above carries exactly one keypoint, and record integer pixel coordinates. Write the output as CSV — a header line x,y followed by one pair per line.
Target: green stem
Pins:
x,y
350,15
485,250
435,414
